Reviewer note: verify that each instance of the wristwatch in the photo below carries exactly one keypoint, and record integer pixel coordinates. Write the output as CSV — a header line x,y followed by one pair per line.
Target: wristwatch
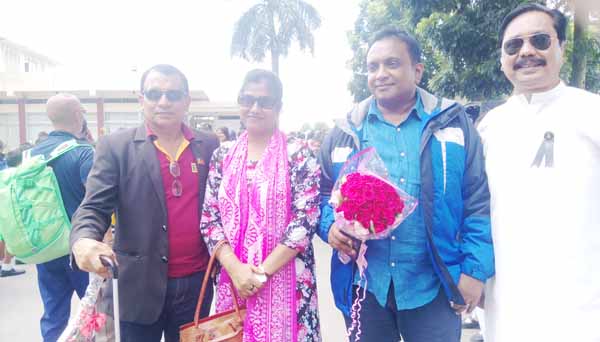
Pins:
x,y
264,276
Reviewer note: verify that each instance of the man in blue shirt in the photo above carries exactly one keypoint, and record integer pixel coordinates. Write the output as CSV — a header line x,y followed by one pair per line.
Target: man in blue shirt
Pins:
x,y
56,280
435,263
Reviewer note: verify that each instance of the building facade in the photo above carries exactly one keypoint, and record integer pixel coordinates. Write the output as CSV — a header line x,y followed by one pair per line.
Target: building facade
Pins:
x,y
18,58
28,79
23,116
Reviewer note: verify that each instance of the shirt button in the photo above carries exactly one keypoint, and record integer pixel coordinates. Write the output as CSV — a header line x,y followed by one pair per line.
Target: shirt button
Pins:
x,y
402,180
164,227
393,237
393,264
164,259
402,154
398,129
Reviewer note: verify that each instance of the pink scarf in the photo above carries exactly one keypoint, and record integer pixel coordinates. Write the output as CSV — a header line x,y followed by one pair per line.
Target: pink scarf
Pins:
x,y
254,220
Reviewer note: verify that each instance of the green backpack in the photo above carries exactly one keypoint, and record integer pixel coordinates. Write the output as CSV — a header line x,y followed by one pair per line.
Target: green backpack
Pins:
x,y
33,221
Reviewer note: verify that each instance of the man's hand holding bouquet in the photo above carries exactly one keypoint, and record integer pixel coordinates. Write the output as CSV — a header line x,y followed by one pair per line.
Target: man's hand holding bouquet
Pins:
x,y
367,206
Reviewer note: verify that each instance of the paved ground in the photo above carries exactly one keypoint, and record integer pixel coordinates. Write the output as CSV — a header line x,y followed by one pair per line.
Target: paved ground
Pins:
x,y
21,305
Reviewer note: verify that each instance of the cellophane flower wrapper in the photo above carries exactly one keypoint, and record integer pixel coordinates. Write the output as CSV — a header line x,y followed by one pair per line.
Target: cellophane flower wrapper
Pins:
x,y
89,324
367,205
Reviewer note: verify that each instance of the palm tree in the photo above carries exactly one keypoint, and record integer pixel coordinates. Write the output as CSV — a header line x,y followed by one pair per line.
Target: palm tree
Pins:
x,y
272,25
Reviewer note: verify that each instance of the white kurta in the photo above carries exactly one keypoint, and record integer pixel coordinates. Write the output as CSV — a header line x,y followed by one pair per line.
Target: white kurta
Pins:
x,y
545,220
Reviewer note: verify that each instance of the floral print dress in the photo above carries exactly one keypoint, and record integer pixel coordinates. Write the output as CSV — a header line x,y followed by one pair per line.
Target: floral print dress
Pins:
x,y
304,180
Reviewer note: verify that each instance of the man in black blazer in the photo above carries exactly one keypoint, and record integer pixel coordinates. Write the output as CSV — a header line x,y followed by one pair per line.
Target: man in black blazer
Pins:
x,y
153,177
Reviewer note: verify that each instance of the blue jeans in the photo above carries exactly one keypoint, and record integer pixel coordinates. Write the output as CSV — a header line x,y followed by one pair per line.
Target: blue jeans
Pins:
x,y
179,308
432,322
57,282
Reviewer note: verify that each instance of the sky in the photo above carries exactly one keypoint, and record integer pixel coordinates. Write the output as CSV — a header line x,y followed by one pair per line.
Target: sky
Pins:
x,y
110,42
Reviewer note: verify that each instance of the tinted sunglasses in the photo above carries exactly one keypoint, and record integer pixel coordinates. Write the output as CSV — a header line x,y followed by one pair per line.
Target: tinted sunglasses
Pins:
x,y
176,186
172,95
264,102
540,41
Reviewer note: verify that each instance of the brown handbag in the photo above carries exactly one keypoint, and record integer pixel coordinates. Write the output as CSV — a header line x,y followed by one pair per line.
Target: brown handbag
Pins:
x,y
227,326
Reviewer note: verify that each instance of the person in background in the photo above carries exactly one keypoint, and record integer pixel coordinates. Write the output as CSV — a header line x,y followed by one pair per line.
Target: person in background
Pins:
x,y
315,139
57,281
8,262
7,268
2,156
41,137
86,133
262,209
223,134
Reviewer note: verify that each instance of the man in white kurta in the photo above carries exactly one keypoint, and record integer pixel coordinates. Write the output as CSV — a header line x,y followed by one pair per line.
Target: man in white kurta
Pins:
x,y
542,150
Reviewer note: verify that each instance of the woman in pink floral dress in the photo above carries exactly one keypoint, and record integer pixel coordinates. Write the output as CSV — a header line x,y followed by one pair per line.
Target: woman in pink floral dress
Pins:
x,y
262,198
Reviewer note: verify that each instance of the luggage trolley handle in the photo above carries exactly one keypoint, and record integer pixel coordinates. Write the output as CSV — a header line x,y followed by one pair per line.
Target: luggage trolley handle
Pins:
x,y
114,272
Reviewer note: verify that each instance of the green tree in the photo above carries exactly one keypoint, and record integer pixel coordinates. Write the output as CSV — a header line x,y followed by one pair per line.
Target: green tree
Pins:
x,y
461,50
583,68
463,40
271,26
579,60
373,16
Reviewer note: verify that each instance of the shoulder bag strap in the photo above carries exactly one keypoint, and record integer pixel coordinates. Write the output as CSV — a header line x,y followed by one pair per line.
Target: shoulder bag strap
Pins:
x,y
64,148
205,283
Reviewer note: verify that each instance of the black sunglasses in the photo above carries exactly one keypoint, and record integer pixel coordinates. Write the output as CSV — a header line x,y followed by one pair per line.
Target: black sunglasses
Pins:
x,y
264,102
540,41
172,95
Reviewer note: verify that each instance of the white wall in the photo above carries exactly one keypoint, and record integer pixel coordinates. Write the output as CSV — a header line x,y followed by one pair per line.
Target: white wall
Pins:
x,y
13,59
9,125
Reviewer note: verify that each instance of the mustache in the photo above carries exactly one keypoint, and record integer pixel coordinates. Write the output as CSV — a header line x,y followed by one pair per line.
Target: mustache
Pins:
x,y
529,61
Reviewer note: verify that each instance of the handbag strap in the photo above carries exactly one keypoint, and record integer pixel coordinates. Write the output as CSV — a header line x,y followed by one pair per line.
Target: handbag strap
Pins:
x,y
205,283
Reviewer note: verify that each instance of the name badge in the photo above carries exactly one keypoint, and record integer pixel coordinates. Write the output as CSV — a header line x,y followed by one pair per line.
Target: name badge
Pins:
x,y
340,154
194,168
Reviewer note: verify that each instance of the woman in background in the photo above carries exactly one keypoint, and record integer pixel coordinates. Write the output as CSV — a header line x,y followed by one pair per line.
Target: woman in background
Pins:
x,y
224,134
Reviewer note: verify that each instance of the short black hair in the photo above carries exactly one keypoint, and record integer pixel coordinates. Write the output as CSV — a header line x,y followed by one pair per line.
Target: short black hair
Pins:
x,y
414,48
165,69
270,78
559,19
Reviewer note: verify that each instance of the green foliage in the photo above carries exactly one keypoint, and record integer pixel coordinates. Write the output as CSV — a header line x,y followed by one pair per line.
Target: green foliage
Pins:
x,y
271,26
592,78
464,43
459,38
374,15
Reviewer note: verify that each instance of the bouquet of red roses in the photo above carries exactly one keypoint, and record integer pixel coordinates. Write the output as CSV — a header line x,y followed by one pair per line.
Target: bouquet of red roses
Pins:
x,y
373,204
367,206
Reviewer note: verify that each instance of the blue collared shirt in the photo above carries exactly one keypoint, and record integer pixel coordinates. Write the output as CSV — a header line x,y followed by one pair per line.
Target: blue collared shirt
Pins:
x,y
402,260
